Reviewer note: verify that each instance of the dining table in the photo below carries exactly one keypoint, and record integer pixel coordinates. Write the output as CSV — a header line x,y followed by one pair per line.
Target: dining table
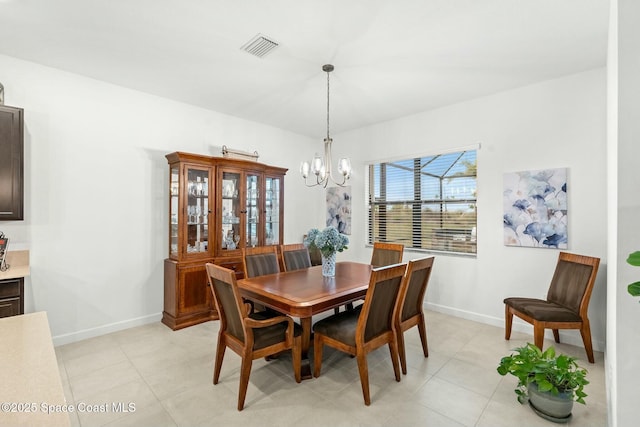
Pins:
x,y
306,292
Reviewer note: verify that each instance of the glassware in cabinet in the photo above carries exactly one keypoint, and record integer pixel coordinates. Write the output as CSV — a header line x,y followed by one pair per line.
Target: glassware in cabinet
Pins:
x,y
174,209
272,210
197,210
190,206
252,210
231,209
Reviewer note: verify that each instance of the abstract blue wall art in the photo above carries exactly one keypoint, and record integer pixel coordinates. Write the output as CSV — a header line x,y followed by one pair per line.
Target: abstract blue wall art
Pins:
x,y
535,208
339,208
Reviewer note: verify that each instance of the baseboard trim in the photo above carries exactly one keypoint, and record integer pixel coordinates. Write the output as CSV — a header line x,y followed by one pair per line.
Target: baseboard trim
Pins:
x,y
105,329
567,337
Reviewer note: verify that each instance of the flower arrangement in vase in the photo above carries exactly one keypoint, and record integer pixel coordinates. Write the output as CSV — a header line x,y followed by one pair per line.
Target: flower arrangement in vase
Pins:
x,y
328,241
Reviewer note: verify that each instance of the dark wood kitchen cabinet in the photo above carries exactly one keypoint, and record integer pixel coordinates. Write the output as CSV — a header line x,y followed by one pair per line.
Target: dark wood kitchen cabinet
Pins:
x,y
12,297
11,163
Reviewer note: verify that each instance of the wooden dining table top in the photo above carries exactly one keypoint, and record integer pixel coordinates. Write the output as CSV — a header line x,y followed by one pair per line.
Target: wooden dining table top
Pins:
x,y
306,292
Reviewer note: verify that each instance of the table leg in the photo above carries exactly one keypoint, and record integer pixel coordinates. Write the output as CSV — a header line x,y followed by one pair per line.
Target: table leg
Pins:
x,y
305,322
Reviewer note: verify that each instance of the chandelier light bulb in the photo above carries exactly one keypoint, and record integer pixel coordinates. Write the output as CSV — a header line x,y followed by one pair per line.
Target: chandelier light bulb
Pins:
x,y
344,167
304,169
317,164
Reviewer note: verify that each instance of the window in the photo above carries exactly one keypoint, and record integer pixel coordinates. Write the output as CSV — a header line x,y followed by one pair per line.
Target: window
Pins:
x,y
425,203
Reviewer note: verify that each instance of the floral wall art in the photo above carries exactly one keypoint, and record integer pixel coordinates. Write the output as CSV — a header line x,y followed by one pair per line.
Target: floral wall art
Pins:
x,y
535,208
339,208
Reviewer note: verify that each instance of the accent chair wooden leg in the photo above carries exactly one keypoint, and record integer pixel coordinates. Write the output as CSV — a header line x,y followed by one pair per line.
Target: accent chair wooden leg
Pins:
x,y
393,349
422,328
556,335
585,331
245,372
508,321
538,335
219,356
364,376
401,349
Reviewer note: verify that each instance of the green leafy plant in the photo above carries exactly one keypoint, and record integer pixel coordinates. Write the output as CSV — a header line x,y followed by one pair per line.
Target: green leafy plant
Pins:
x,y
634,288
555,374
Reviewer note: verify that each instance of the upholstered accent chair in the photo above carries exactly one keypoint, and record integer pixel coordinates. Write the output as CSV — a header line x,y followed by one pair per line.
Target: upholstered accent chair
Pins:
x,y
386,254
249,335
566,305
260,260
411,312
366,328
295,256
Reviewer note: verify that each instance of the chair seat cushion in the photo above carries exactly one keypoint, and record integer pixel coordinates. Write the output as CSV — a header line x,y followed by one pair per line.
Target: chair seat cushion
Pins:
x,y
264,337
341,326
543,310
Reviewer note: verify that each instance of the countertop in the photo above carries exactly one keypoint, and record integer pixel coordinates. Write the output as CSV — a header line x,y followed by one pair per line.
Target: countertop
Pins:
x,y
30,383
18,265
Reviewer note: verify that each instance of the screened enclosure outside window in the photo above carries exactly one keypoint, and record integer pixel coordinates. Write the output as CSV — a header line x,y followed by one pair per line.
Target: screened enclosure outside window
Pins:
x,y
425,203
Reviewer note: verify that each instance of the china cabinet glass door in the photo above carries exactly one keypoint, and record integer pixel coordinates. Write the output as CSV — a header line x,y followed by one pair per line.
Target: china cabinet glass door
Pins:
x,y
231,210
272,211
174,182
253,220
197,210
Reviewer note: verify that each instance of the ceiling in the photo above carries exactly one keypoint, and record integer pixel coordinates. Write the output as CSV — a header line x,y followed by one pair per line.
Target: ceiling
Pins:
x,y
392,58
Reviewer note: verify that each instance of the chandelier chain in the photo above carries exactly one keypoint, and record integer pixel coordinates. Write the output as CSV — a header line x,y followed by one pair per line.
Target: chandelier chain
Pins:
x,y
328,92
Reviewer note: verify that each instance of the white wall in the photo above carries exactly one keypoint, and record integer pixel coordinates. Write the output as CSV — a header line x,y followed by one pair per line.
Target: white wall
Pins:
x,y
611,354
558,123
623,362
96,192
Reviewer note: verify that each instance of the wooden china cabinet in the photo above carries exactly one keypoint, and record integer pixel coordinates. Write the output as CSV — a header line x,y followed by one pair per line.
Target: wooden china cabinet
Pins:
x,y
217,206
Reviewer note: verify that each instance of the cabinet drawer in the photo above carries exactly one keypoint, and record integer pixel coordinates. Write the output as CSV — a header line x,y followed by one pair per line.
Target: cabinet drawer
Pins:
x,y
232,264
10,288
9,307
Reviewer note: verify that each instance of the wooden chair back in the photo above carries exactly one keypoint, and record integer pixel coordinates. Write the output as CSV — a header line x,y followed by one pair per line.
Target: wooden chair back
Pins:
x,y
260,260
295,256
386,254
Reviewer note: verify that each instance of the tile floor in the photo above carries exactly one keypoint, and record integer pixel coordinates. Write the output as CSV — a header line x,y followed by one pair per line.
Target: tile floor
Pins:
x,y
167,376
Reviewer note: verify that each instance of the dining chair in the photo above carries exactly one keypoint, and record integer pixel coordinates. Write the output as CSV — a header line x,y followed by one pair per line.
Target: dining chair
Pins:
x,y
358,332
295,256
386,254
411,311
249,335
567,303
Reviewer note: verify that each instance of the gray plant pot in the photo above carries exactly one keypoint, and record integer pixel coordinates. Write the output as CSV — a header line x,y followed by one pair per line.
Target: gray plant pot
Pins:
x,y
553,407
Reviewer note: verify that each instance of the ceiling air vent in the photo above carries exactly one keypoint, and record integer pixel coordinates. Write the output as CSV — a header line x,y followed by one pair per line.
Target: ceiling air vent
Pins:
x,y
260,46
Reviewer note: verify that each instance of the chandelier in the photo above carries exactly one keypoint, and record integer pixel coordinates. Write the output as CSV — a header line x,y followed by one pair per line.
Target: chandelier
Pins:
x,y
321,167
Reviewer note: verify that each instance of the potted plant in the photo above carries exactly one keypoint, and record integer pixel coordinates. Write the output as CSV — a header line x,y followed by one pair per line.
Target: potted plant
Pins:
x,y
634,288
328,242
549,382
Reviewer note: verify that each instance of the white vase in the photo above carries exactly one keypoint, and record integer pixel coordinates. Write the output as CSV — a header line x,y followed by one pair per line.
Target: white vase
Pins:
x,y
329,265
